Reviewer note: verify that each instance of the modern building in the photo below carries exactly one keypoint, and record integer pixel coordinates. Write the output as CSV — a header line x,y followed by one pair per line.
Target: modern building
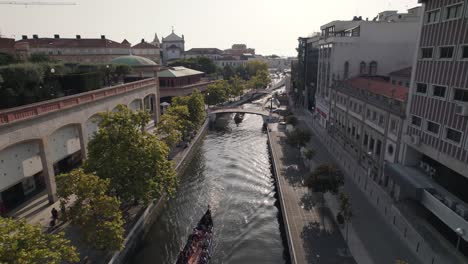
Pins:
x,y
80,50
173,47
212,53
7,45
434,173
150,50
360,47
180,81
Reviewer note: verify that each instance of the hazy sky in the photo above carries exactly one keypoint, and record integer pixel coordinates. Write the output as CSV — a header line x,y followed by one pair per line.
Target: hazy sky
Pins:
x,y
270,26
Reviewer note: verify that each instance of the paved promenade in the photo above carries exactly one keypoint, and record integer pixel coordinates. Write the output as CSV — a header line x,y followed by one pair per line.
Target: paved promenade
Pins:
x,y
371,239
315,237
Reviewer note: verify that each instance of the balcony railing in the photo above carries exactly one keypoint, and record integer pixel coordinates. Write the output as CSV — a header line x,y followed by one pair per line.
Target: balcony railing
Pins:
x,y
8,116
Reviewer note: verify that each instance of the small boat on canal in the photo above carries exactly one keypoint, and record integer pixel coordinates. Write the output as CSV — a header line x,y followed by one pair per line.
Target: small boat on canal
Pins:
x,y
238,118
199,243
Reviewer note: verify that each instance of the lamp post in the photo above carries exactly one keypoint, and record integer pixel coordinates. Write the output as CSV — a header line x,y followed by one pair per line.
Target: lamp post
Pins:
x,y
52,72
107,74
460,232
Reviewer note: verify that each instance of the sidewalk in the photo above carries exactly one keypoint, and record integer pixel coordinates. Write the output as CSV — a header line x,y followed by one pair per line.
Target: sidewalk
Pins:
x,y
313,234
371,239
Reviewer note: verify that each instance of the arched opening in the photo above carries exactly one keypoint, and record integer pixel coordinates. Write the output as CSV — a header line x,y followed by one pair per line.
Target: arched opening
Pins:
x,y
362,68
373,68
135,105
92,126
22,175
150,103
65,148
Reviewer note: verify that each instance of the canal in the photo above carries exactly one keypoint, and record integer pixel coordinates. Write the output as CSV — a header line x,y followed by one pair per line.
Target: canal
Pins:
x,y
231,171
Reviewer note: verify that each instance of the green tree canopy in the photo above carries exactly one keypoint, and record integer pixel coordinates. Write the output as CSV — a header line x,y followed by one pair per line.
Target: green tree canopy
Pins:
x,y
95,212
217,93
170,130
196,108
237,86
325,178
6,58
23,243
298,137
40,57
260,80
228,72
254,66
135,161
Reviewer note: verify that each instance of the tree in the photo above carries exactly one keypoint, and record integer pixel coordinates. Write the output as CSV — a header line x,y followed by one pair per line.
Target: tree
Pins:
x,y
196,108
254,66
6,58
216,93
169,130
39,57
203,64
95,212
242,72
21,242
182,116
298,138
237,86
228,72
325,178
134,160
345,210
292,120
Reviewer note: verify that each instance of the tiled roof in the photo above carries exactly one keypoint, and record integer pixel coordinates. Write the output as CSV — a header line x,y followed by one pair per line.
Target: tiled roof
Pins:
x,y
405,72
7,43
72,43
178,72
204,51
380,87
172,37
144,45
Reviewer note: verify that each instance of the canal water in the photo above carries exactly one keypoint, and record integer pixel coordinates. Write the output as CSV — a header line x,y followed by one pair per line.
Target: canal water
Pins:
x,y
231,171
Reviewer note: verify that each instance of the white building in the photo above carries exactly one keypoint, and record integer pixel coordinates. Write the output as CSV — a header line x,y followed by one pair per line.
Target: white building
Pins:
x,y
362,47
173,47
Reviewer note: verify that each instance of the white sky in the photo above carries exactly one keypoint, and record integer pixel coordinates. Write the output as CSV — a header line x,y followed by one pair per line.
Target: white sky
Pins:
x,y
269,26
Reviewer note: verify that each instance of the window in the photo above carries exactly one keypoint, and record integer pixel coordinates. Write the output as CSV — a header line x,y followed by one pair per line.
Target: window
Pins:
x,y
426,53
381,120
421,88
390,149
378,148
353,131
362,68
464,49
432,127
416,121
360,109
453,135
432,16
446,52
453,12
368,113
346,70
393,125
371,144
374,115
366,138
373,68
407,84
438,91
460,95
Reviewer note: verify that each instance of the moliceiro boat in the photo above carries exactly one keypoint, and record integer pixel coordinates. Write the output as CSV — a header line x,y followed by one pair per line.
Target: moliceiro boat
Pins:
x,y
199,243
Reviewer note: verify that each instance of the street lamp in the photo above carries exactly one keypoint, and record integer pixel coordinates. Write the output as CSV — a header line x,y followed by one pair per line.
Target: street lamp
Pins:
x,y
52,70
460,232
107,73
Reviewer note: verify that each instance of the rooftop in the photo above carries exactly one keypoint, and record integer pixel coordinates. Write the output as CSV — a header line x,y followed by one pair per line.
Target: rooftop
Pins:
x,y
7,43
178,71
144,45
405,72
204,51
173,37
58,42
380,87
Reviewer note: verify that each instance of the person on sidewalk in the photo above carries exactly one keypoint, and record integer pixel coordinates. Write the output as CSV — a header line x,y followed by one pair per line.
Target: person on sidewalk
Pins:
x,y
54,214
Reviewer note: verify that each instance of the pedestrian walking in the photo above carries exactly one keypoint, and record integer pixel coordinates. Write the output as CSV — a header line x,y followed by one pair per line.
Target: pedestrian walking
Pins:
x,y
54,214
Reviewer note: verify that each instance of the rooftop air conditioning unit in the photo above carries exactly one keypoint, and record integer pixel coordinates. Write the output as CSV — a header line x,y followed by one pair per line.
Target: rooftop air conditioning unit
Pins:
x,y
461,109
415,140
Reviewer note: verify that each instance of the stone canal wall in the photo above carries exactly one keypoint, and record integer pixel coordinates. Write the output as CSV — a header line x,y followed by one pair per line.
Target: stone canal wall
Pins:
x,y
138,232
286,222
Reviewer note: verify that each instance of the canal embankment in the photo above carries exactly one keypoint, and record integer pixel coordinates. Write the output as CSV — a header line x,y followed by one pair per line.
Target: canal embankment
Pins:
x,y
137,233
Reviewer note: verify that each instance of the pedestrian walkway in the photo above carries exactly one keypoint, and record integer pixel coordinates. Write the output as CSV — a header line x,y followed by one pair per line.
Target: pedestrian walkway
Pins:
x,y
313,234
372,240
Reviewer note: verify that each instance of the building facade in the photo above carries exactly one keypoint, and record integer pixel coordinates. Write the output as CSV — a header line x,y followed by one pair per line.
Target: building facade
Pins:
x,y
211,53
150,50
434,173
362,47
238,50
7,45
79,50
173,47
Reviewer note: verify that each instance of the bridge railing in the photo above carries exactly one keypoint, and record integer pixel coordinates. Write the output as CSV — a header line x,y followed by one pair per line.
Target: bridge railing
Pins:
x,y
10,115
